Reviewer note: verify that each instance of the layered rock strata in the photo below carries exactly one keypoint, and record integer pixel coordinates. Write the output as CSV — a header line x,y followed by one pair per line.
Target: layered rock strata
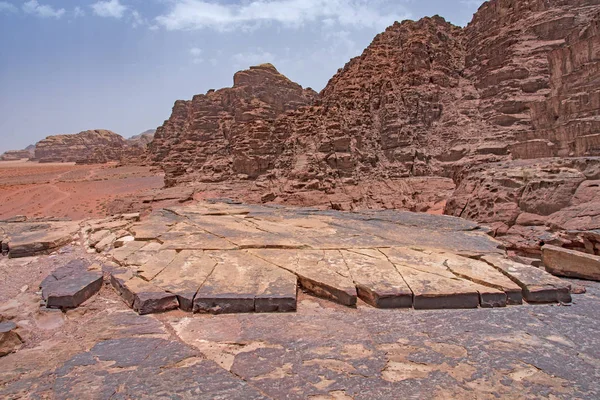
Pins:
x,y
88,147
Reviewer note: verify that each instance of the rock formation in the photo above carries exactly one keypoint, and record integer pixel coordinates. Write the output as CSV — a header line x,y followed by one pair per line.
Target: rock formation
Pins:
x,y
136,152
15,155
426,100
228,132
143,139
542,199
88,147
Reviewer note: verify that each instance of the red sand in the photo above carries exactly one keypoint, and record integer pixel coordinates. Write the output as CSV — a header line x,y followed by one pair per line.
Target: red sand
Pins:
x,y
68,190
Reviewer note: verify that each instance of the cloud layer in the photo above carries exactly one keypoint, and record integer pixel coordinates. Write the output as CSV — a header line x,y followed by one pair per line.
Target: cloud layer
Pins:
x,y
109,8
42,11
197,14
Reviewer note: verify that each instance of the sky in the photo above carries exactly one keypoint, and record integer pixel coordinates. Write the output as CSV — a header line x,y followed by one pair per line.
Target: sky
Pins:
x,y
68,66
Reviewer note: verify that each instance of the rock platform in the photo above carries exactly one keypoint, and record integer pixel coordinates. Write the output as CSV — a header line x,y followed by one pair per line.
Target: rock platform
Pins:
x,y
227,258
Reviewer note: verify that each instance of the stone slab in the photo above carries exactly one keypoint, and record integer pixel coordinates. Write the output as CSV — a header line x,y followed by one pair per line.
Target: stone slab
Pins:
x,y
245,234
434,286
143,255
30,239
538,285
321,272
198,240
571,263
156,264
120,254
486,275
241,282
378,283
142,296
72,291
185,275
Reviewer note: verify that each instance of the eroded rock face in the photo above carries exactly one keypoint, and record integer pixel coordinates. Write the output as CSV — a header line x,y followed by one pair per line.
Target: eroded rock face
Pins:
x,y
15,155
88,147
567,122
228,132
531,202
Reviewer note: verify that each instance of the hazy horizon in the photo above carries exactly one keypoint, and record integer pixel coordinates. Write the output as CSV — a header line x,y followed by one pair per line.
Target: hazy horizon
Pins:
x,y
70,66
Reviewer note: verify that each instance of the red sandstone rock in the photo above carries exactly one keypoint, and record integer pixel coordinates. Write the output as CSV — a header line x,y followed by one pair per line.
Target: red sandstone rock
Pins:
x,y
88,147
425,99
15,155
227,133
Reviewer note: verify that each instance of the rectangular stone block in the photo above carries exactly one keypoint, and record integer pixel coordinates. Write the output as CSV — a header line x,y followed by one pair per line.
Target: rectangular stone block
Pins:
x,y
538,285
571,263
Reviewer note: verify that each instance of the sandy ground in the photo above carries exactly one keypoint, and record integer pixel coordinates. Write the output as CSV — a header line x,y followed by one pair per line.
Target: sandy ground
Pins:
x,y
68,190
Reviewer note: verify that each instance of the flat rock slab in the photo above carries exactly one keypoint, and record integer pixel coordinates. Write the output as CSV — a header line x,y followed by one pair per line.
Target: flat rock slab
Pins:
x,y
224,258
486,275
30,238
142,296
241,282
184,275
71,285
538,285
321,272
432,285
378,282
571,263
10,341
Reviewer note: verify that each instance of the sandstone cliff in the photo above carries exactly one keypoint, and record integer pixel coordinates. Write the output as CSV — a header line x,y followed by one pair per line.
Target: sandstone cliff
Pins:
x,y
88,147
549,200
228,132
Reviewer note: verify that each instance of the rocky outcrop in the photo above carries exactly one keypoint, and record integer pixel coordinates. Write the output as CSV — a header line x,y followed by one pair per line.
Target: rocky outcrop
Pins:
x,y
229,132
532,202
88,147
552,198
136,151
15,155
567,122
143,139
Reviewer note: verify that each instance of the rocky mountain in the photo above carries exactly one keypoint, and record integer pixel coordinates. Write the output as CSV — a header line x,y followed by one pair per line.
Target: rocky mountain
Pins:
x,y
425,103
88,147
15,155
228,133
143,139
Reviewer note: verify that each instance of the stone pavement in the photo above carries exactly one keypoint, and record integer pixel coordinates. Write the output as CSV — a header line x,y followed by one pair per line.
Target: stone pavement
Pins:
x,y
323,351
227,258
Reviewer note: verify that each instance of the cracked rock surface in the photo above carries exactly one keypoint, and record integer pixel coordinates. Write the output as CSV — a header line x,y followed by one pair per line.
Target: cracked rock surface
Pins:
x,y
228,258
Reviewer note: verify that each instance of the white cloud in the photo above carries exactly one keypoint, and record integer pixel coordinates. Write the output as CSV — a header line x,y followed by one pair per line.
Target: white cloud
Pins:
x,y
137,19
198,14
43,11
78,12
7,7
109,8
196,53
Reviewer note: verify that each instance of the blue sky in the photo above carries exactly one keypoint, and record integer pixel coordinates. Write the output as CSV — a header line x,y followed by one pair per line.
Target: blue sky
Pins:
x,y
68,66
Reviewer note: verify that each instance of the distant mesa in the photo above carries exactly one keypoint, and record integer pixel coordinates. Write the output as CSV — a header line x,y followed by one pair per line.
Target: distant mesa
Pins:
x,y
87,147
16,155
97,146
